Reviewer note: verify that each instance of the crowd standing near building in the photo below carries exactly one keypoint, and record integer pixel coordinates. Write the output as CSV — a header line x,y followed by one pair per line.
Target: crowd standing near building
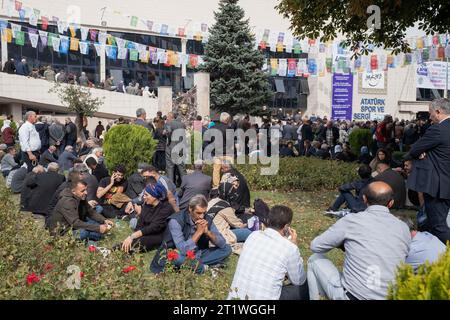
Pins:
x,y
189,215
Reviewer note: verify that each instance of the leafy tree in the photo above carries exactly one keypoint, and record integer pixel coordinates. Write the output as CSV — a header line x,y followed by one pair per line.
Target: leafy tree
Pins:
x,y
78,100
328,18
237,83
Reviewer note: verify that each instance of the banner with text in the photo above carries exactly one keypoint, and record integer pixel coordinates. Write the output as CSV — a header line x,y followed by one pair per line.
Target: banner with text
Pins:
x,y
341,104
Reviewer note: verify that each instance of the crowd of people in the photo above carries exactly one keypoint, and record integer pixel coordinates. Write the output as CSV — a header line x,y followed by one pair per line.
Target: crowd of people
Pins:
x,y
61,76
191,217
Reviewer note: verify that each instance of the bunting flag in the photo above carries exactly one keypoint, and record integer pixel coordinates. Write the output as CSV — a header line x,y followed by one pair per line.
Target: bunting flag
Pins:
x,y
20,38
34,39
302,68
64,44
149,25
84,33
84,47
74,43
425,54
418,57
292,67
22,15
93,34
37,12
56,42
441,53
273,67
73,32
44,23
390,61
156,28
373,62
98,48
111,52
282,67
15,28
181,32
162,56
134,55
7,35
297,47
43,35
154,55
164,29
18,5
312,67
433,53
3,24
62,27
193,61
144,56
329,64
122,53
33,20
435,40
55,19
169,61
102,35
134,21
120,42
280,47
288,48
322,48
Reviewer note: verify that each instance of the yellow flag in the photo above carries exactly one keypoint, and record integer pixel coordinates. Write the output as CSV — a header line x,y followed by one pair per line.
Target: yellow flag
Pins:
x,y
72,31
74,42
280,47
7,35
419,43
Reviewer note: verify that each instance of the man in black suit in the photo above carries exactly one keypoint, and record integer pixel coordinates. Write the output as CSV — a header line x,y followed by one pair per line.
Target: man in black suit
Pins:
x,y
434,146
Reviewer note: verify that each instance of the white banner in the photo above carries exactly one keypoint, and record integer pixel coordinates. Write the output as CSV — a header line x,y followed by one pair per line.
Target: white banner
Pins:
x,y
56,42
432,75
102,37
33,20
34,38
282,67
99,49
15,28
122,53
84,47
84,33
62,26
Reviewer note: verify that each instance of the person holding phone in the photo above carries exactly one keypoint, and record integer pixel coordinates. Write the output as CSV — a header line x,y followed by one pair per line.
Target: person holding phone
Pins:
x,y
110,186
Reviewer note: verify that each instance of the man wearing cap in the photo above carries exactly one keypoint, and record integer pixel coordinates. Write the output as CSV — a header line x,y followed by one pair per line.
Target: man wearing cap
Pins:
x,y
30,143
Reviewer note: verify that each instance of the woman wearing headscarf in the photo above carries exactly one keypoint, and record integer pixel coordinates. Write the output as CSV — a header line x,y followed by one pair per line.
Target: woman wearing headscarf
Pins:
x,y
7,133
152,219
224,218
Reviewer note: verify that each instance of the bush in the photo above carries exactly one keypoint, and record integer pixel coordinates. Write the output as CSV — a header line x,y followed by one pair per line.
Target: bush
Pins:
x,y
432,281
300,173
128,145
359,138
34,265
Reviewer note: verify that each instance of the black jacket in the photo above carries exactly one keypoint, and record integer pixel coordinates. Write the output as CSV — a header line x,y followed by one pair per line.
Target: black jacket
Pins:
x,y
398,185
43,186
436,176
323,134
71,133
46,158
307,133
67,214
153,220
42,129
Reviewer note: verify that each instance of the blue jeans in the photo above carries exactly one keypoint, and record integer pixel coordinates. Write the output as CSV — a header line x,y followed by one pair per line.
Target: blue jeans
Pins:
x,y
99,209
83,234
209,256
353,203
241,234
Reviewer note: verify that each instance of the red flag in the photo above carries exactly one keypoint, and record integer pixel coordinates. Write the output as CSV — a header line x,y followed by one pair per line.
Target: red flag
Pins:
x,y
44,23
181,32
18,5
193,60
373,62
436,40
263,45
441,53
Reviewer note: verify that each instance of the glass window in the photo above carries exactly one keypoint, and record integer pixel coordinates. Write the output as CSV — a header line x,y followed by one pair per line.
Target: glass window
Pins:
x,y
74,58
59,58
45,54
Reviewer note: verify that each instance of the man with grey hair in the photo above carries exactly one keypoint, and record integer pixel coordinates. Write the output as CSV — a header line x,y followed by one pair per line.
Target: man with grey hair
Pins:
x,y
43,186
432,154
141,116
193,184
173,124
65,160
30,143
190,232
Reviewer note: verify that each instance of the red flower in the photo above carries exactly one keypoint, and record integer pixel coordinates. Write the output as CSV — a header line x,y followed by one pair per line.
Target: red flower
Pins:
x,y
172,255
48,267
81,274
190,255
92,248
128,269
48,248
32,278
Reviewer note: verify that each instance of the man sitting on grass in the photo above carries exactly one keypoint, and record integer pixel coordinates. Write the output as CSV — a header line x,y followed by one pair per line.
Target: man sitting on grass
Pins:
x,y
188,236
354,202
67,215
267,258
375,244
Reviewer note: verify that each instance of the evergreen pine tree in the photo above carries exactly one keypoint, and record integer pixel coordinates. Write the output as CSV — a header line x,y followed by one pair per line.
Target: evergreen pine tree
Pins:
x,y
237,83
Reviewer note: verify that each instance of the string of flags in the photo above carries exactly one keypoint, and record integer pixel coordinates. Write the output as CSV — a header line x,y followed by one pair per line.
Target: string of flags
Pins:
x,y
101,42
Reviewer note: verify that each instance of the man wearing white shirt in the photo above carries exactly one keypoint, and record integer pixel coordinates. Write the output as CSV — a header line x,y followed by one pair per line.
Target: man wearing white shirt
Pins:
x,y
267,258
30,142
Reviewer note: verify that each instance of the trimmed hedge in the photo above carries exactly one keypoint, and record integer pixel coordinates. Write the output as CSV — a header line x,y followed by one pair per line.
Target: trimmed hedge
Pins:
x,y
128,145
300,173
432,281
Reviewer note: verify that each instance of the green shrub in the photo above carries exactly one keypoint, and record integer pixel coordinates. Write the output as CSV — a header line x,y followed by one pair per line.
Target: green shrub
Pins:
x,y
128,145
432,281
300,173
358,138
